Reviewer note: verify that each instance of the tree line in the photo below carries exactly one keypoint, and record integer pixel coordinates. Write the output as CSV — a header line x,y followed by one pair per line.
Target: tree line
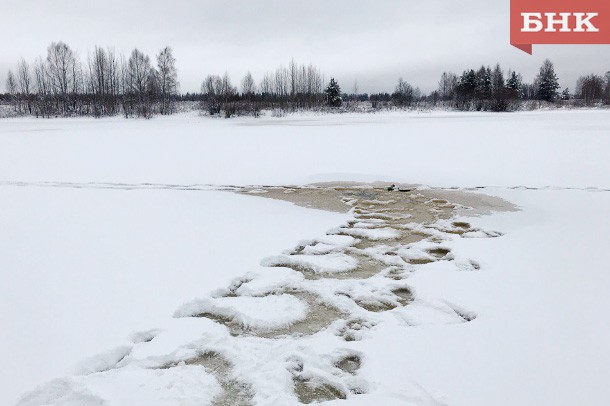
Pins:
x,y
287,88
487,89
492,90
482,89
109,84
60,84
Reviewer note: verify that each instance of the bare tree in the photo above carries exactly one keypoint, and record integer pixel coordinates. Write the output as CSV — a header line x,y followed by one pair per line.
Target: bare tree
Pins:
x,y
282,82
405,94
447,85
103,81
43,104
11,86
293,77
113,73
248,87
167,79
41,76
61,70
228,92
99,81
590,88
211,88
24,77
138,82
78,82
136,75
24,80
266,87
98,72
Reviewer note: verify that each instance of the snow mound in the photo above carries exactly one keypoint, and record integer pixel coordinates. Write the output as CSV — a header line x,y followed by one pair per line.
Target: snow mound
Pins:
x,y
419,314
329,263
339,240
258,313
104,361
375,234
266,280
319,249
183,385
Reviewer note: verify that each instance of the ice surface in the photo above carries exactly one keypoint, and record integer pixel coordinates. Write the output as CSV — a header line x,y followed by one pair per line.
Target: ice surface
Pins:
x,y
532,149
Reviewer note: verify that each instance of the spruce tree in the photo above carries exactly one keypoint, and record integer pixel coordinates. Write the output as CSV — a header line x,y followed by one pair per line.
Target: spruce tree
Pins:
x,y
607,88
515,84
468,84
547,82
484,84
497,81
333,94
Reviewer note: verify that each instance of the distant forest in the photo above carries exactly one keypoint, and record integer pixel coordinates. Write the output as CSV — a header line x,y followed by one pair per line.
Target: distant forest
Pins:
x,y
107,84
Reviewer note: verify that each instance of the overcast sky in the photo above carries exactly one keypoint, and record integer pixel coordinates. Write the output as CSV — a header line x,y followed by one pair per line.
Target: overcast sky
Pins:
x,y
374,42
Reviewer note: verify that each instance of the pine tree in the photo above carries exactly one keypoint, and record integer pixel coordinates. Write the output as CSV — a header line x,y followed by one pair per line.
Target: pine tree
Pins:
x,y
547,82
333,94
566,94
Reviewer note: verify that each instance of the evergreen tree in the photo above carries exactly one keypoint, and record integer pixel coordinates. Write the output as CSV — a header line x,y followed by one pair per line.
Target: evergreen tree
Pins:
x,y
333,94
468,84
515,84
500,94
498,86
547,82
566,94
607,88
465,90
484,85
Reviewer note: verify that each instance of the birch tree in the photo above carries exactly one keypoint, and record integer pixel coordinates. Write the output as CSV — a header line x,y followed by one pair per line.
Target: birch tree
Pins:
x,y
167,79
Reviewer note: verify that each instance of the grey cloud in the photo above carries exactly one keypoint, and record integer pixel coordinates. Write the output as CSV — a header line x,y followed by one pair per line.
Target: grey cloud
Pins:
x,y
374,42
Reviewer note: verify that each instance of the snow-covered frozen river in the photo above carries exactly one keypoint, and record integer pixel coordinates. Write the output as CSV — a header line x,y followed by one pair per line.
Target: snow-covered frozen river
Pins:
x,y
82,267
542,148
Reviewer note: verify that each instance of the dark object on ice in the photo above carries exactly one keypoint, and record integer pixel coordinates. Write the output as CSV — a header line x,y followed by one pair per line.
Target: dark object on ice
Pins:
x,y
395,188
